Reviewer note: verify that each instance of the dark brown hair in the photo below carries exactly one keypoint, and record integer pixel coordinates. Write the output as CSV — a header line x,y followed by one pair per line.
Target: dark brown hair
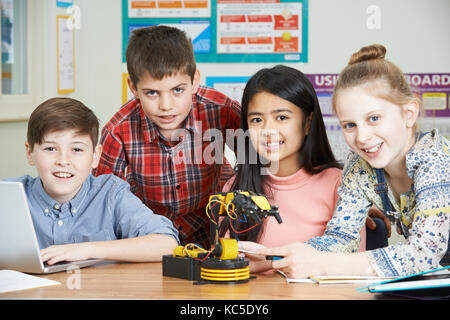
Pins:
x,y
161,51
369,66
315,154
57,114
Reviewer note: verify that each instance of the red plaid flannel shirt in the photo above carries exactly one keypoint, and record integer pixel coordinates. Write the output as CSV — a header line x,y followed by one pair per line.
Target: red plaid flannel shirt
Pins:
x,y
172,180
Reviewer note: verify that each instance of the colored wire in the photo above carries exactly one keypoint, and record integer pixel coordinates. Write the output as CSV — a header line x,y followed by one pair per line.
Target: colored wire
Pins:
x,y
210,206
243,231
230,212
190,246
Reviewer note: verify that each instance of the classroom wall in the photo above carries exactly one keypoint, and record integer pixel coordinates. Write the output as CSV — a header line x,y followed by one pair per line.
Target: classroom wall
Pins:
x,y
415,33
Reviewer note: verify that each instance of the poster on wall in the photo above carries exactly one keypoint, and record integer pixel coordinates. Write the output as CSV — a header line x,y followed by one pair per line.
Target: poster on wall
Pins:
x,y
229,30
169,8
434,90
233,87
64,3
324,83
65,55
199,31
248,26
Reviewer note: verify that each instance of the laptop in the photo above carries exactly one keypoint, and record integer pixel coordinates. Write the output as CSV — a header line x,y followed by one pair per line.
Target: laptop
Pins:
x,y
19,249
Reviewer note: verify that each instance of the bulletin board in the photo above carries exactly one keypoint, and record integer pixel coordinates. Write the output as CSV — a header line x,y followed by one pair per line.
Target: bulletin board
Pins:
x,y
228,30
432,88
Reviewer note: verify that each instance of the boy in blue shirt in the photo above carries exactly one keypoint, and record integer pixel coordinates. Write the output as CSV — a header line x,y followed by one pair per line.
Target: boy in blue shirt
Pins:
x,y
75,214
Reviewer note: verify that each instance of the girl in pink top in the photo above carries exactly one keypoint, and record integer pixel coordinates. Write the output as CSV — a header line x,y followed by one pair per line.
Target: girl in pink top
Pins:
x,y
287,158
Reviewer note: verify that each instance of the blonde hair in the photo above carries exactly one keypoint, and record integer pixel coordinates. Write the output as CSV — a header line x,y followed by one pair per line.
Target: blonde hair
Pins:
x,y
368,66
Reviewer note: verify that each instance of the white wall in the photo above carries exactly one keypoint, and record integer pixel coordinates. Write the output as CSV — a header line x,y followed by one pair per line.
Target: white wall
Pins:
x,y
415,33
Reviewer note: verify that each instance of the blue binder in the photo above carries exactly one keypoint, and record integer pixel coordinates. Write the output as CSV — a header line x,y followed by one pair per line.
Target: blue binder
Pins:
x,y
432,284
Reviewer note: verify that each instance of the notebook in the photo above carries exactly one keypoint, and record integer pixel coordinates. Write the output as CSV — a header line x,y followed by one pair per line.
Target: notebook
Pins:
x,y
336,279
432,284
13,281
339,279
19,249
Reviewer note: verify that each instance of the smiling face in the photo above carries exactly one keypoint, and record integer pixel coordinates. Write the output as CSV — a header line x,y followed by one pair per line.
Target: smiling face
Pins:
x,y
63,161
379,131
277,131
166,102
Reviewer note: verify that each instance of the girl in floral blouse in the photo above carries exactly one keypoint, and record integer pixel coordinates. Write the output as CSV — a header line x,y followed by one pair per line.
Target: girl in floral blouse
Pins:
x,y
378,114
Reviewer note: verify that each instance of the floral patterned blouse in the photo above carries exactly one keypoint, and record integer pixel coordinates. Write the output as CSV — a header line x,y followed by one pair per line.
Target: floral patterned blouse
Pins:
x,y
425,210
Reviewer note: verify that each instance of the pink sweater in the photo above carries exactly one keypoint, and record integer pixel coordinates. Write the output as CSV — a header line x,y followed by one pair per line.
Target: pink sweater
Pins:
x,y
306,203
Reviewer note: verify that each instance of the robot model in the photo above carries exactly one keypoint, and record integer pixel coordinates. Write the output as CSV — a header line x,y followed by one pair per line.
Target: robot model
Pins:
x,y
221,264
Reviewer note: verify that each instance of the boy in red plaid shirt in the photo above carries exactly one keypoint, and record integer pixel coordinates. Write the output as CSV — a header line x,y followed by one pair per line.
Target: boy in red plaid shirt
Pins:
x,y
168,141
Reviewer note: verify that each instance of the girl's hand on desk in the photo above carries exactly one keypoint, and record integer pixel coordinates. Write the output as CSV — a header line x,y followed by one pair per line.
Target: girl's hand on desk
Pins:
x,y
66,252
300,260
258,263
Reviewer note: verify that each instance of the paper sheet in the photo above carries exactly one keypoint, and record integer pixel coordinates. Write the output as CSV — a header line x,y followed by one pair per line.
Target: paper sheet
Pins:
x,y
13,281
335,279
347,279
306,280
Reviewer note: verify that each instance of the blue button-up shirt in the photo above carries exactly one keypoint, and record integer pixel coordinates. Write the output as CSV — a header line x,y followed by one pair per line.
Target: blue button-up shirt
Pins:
x,y
103,209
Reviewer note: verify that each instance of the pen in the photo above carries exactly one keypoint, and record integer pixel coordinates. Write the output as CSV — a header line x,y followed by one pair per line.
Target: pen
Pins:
x,y
274,257
246,251
267,257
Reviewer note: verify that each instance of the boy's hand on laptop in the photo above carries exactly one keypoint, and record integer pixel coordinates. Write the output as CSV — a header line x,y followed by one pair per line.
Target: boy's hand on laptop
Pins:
x,y
65,252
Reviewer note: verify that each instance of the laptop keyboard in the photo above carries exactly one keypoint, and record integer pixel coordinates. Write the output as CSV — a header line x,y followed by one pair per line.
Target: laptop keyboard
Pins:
x,y
61,263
